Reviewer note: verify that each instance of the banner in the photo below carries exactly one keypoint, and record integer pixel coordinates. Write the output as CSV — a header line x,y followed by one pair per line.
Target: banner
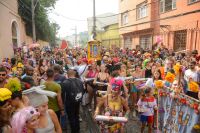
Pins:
x,y
176,115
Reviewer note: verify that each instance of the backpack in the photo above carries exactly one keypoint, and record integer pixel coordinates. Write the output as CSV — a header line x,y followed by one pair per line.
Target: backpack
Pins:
x,y
76,90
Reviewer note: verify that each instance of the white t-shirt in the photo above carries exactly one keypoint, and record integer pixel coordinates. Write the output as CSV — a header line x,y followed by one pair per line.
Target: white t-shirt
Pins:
x,y
148,105
191,74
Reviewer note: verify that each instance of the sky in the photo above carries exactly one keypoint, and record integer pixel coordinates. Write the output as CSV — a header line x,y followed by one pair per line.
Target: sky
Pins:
x,y
67,10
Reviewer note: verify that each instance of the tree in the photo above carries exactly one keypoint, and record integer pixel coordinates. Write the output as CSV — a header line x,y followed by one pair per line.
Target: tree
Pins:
x,y
44,29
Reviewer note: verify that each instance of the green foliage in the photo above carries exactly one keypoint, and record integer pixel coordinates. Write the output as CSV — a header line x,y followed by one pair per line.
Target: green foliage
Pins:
x,y
44,29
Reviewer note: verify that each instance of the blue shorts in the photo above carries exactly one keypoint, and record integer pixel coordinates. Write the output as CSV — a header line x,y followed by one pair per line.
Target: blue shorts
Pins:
x,y
148,119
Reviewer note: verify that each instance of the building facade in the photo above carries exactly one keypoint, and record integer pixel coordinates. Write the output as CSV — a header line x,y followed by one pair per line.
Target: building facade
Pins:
x,y
107,29
79,40
182,32
176,22
12,29
110,37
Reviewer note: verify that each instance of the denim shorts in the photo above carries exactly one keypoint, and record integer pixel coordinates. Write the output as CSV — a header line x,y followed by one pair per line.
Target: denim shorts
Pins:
x,y
148,119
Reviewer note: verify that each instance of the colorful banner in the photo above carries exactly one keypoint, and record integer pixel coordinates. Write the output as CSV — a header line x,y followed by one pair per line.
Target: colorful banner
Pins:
x,y
176,116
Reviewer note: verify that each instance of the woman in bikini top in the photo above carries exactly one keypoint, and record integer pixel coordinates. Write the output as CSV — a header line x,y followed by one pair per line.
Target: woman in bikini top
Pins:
x,y
103,77
113,105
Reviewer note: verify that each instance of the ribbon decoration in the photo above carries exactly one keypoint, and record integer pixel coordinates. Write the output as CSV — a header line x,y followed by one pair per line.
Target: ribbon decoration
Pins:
x,y
178,112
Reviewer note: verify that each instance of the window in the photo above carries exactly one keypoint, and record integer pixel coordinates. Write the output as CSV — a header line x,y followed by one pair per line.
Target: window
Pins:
x,y
162,6
167,5
180,40
146,41
192,1
125,18
127,42
14,34
141,10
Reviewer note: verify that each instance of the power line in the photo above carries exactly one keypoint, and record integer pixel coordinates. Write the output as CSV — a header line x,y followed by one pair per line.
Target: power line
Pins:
x,y
25,5
128,10
103,16
27,11
8,7
170,17
57,14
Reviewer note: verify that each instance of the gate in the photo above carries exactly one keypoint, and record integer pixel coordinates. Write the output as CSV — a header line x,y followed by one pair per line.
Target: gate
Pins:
x,y
180,38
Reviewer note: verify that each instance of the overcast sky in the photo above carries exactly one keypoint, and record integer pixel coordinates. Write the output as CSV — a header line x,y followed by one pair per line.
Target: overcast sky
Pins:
x,y
79,10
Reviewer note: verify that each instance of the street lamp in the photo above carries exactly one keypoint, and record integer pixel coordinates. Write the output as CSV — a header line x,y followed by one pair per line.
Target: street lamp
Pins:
x,y
94,20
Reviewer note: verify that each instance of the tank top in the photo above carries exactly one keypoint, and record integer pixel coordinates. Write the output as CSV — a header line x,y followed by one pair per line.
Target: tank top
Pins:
x,y
91,74
50,126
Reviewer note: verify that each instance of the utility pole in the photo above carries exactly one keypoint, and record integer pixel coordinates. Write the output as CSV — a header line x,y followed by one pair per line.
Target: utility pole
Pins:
x,y
94,20
75,36
196,34
33,5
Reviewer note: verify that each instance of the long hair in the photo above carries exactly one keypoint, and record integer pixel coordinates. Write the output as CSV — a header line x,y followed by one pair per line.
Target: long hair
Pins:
x,y
3,120
160,77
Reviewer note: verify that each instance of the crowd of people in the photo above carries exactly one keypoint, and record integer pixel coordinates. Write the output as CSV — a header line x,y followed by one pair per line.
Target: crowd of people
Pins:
x,y
41,86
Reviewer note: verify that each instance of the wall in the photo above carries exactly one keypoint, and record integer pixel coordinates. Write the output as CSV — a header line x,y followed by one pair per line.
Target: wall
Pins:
x,y
186,22
110,37
126,5
8,15
135,27
29,40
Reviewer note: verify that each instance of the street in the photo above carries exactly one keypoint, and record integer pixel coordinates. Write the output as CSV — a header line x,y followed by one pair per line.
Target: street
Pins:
x,y
113,56
89,126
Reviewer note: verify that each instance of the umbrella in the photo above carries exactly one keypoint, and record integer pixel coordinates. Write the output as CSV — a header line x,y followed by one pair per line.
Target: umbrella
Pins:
x,y
33,45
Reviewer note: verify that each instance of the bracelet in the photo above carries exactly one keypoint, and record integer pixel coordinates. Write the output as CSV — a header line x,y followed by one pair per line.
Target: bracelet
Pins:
x,y
96,112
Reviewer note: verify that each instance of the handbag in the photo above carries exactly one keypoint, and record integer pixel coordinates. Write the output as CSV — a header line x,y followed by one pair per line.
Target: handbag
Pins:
x,y
85,99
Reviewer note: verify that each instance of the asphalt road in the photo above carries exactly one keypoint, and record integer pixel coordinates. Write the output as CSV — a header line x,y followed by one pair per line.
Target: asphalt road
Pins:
x,y
89,126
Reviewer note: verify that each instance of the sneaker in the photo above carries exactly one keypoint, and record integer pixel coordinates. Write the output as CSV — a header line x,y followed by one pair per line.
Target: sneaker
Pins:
x,y
80,119
90,110
134,113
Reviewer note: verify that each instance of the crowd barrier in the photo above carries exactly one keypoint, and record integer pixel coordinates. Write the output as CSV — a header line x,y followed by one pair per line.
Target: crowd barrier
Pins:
x,y
177,113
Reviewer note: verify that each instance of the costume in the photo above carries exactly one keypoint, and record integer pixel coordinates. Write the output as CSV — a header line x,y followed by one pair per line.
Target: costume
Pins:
x,y
113,108
21,118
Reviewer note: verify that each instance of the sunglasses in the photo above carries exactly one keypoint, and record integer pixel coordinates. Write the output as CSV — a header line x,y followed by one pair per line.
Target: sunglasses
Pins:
x,y
2,74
